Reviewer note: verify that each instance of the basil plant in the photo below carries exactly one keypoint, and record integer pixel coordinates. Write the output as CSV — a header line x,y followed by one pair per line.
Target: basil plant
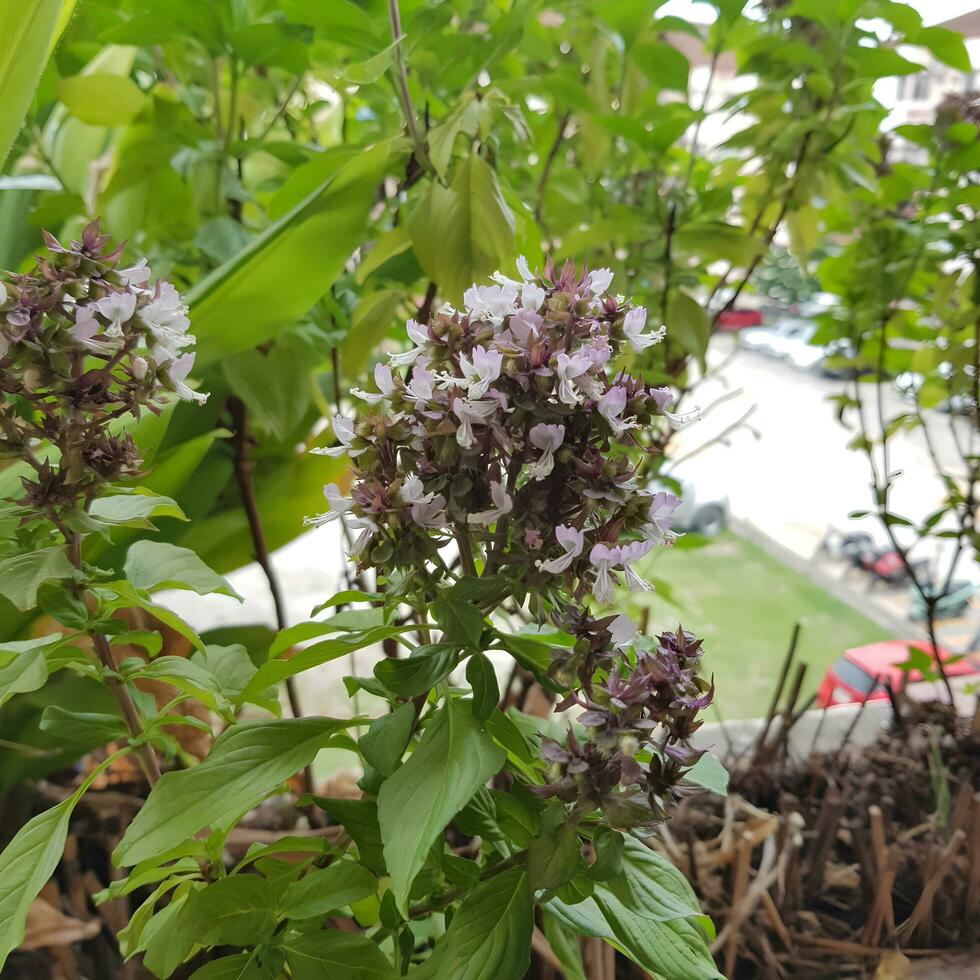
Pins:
x,y
492,503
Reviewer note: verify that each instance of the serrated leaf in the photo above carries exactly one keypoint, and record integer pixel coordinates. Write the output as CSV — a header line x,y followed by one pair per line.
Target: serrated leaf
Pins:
x,y
454,758
461,621
247,761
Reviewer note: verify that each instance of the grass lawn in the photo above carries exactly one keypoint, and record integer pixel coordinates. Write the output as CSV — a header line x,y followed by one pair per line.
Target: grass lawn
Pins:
x,y
744,603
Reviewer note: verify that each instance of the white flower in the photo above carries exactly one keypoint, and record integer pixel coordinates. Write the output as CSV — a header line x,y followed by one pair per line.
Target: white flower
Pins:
x,y
571,369
85,330
633,324
491,303
3,293
343,429
600,280
135,275
502,504
117,308
547,438
532,296
523,269
469,413
417,333
166,318
622,631
430,511
611,406
605,558
481,372
573,541
139,366
420,387
662,507
385,382
177,372
339,505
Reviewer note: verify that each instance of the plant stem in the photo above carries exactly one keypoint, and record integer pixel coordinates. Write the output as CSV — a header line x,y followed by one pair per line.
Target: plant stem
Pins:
x,y
401,79
144,753
244,468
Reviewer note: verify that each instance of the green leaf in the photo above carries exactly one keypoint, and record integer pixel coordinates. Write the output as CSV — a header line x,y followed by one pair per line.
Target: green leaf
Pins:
x,y
420,672
881,62
324,889
28,862
390,244
553,857
241,966
609,846
246,762
268,286
157,565
371,321
275,386
235,911
360,819
947,46
384,743
122,594
230,666
27,30
489,937
462,233
22,575
88,727
274,671
482,679
101,99
335,955
460,621
454,758
134,509
564,944
709,773
24,666
662,64
187,676
688,325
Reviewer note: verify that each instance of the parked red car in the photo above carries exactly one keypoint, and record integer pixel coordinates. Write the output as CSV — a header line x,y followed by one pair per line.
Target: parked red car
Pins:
x,y
739,319
851,679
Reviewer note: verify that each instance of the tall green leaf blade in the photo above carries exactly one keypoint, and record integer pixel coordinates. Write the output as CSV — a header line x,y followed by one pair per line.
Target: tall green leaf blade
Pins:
x,y
453,760
247,761
28,862
490,935
27,31
273,282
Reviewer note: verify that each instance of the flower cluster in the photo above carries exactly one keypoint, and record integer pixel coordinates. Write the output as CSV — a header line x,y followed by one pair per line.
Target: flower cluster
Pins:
x,y
657,697
82,344
507,432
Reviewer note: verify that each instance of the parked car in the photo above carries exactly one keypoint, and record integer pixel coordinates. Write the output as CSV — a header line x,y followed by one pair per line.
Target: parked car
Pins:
x,y
739,319
860,674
